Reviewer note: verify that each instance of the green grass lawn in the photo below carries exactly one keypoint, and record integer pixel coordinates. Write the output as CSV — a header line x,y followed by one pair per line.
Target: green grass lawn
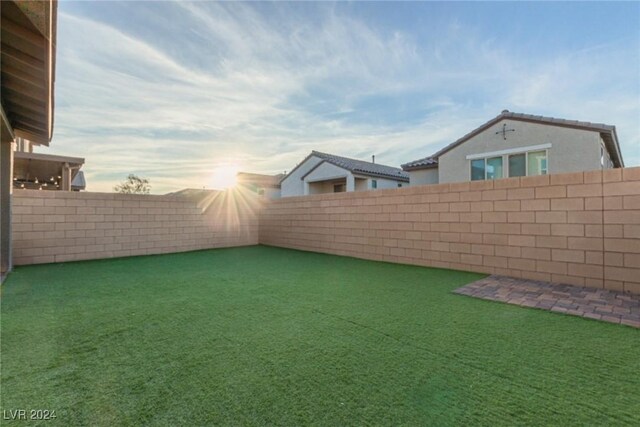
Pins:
x,y
260,335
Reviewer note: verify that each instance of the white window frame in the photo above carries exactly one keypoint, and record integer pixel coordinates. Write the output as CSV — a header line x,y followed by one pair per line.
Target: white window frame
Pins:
x,y
517,150
505,159
485,168
546,157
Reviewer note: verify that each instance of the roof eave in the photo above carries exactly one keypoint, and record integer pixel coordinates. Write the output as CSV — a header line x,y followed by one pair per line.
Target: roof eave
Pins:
x,y
378,175
407,168
31,23
615,152
48,158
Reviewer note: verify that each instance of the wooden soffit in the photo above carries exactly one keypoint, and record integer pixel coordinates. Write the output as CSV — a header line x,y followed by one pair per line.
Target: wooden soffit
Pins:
x,y
27,67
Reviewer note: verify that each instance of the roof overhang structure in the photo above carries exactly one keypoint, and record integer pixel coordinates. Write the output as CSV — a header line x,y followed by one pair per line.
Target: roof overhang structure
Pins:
x,y
33,170
358,173
28,52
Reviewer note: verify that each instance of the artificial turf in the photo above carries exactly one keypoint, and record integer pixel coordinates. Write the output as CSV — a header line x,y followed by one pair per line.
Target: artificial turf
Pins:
x,y
261,335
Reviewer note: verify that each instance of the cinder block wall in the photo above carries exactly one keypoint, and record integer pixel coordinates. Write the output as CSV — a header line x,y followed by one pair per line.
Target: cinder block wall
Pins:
x,y
579,228
55,226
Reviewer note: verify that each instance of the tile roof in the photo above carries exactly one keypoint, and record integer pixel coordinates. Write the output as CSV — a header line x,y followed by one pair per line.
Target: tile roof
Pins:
x,y
608,132
363,167
424,163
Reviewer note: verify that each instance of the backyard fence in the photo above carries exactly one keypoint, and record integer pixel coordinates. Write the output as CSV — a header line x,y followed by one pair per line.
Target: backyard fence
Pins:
x,y
55,226
578,228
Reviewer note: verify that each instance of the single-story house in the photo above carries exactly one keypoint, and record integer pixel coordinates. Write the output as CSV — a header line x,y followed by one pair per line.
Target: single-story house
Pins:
x,y
264,185
327,173
514,144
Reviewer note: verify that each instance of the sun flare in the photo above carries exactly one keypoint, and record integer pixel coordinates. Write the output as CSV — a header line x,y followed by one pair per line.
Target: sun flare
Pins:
x,y
224,176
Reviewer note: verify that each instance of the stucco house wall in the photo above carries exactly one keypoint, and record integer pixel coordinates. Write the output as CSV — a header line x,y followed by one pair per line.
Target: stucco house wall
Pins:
x,y
423,176
327,171
293,185
272,193
363,184
323,187
320,180
572,150
384,184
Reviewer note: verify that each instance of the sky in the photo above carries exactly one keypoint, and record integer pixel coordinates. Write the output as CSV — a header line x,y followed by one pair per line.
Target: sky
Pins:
x,y
178,91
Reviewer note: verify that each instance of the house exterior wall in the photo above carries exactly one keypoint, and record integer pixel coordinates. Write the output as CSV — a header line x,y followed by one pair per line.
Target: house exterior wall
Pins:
x,y
363,184
572,150
293,185
327,171
580,228
271,193
57,226
322,187
386,184
423,176
6,190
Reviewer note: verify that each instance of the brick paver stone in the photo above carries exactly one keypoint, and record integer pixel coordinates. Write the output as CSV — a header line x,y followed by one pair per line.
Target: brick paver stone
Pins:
x,y
598,304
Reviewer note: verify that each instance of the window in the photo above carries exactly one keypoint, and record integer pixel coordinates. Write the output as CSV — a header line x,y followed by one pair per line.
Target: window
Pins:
x,y
494,168
477,169
537,163
518,165
399,184
374,183
338,188
486,168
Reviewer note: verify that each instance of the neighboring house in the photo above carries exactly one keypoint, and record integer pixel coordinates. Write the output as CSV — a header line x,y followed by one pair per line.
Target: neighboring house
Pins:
x,y
326,173
37,171
264,185
514,144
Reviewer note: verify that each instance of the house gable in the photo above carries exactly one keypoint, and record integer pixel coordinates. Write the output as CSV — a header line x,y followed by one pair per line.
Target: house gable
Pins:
x,y
569,149
292,184
607,134
324,171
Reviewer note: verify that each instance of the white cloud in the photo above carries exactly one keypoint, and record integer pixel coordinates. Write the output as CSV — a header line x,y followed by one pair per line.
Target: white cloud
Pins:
x,y
279,86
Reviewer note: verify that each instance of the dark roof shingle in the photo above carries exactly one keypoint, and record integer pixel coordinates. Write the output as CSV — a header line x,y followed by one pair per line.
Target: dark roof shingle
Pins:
x,y
424,163
363,167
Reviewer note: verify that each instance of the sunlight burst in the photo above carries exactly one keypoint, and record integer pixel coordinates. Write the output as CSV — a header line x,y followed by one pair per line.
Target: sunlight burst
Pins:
x,y
224,176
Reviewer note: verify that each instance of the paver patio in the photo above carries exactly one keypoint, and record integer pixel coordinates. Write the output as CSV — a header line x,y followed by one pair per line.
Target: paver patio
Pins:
x,y
599,304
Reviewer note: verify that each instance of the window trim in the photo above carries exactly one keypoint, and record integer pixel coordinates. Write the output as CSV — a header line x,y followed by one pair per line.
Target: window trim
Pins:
x,y
470,169
518,150
526,165
506,171
485,168
546,157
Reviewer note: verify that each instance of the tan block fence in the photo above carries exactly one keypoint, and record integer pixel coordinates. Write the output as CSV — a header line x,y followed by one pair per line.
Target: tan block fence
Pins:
x,y
56,226
578,228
